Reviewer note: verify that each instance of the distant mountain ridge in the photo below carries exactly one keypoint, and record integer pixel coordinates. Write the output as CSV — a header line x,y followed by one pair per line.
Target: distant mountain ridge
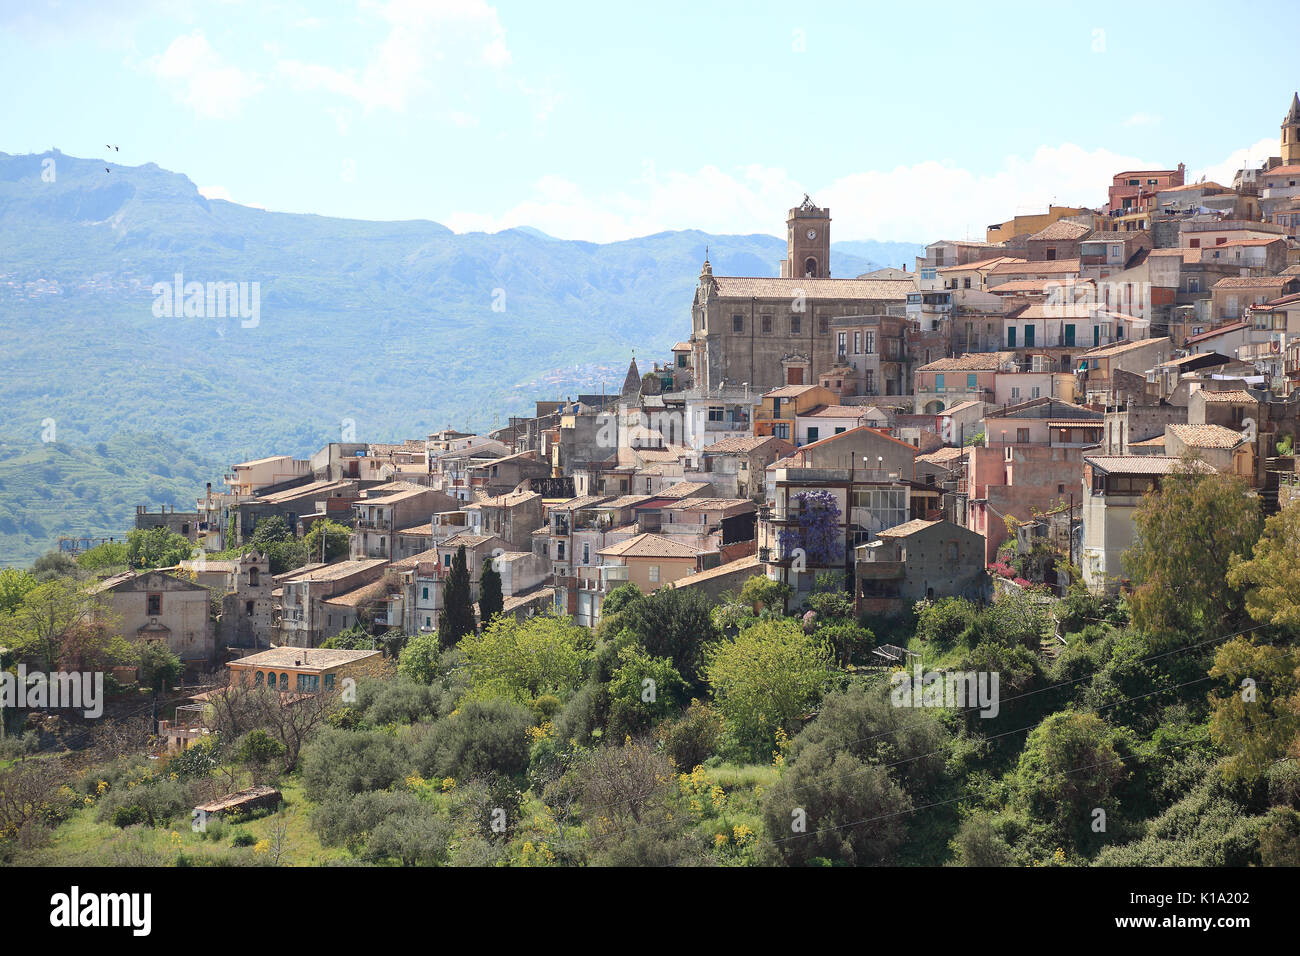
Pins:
x,y
391,328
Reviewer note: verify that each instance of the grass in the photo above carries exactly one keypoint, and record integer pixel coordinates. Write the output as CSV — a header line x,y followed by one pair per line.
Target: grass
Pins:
x,y
85,841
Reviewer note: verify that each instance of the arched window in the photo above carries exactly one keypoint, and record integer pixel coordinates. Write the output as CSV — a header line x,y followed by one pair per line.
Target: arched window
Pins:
x,y
284,682
257,679
252,576
810,267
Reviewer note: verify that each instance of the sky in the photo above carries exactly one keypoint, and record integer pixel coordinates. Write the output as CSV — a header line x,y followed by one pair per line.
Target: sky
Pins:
x,y
607,121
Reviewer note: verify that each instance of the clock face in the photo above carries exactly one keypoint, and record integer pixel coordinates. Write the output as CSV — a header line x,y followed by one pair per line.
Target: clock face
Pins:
x,y
812,233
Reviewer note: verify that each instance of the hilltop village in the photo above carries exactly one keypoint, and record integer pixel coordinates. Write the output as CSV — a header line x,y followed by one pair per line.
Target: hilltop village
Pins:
x,y
991,559
1002,399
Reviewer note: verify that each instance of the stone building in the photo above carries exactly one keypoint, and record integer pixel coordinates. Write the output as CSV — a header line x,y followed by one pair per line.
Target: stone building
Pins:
x,y
770,332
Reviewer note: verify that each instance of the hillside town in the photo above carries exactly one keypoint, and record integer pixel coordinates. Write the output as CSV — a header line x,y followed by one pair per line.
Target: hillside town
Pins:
x,y
942,429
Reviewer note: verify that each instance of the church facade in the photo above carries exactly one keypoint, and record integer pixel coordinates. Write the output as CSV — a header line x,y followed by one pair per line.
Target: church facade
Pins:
x,y
767,332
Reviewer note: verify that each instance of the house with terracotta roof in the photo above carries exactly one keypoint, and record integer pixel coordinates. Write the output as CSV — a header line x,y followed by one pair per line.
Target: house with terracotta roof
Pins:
x,y
513,517
650,561
778,408
1233,296
951,381
1113,371
1131,199
1221,448
737,467
918,560
304,620
1113,487
1060,240
384,510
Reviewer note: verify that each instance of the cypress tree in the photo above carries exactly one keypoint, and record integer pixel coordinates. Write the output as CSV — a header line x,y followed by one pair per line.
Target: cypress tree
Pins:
x,y
457,618
490,601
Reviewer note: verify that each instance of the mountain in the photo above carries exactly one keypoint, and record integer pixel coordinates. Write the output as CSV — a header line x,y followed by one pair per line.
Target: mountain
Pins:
x,y
391,328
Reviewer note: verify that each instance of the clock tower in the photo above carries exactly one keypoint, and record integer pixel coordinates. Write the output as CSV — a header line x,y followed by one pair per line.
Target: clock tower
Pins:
x,y
808,242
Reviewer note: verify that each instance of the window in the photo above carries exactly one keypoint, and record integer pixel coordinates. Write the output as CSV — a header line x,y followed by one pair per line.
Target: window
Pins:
x,y
796,324
252,577
842,342
1029,336
654,574
284,682
424,594
153,605
715,413
559,551
308,683
766,321
823,325
329,678
781,430
1015,391
938,382
1195,244
971,382
248,608
738,324
1022,435
813,434
967,281
1011,336
257,679
586,553
1069,335
870,342
1035,392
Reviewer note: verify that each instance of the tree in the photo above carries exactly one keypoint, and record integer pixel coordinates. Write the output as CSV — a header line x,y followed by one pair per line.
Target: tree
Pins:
x,y
1271,576
628,795
457,617
490,601
1256,714
1186,535
1070,767
104,557
159,667
764,679
337,541
283,551
15,584
47,615
642,691
620,598
158,547
832,806
419,658
761,592
482,738
257,751
675,623
53,564
518,661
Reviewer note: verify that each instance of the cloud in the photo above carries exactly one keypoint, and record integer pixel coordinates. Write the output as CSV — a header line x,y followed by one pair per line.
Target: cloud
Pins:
x,y
427,41
1252,155
921,202
200,79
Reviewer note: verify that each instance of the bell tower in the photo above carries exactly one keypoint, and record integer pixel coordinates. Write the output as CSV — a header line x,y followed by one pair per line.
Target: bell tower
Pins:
x,y
1291,133
808,242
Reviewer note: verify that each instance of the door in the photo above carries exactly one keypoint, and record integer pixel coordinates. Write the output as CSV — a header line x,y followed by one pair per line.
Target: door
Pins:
x,y
794,376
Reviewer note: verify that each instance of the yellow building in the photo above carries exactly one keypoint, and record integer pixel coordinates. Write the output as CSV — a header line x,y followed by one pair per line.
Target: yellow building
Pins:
x,y
1027,225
